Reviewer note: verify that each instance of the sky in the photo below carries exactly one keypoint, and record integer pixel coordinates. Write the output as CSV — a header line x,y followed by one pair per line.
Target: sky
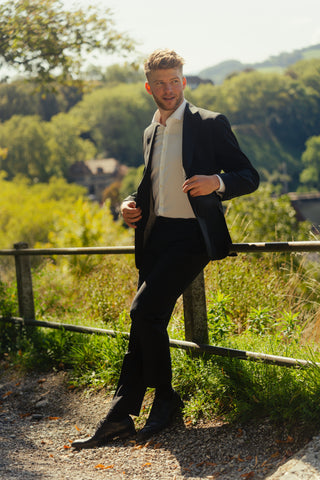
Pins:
x,y
206,32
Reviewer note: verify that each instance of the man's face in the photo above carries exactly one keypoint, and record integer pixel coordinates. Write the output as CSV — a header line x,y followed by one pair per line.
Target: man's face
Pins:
x,y
166,86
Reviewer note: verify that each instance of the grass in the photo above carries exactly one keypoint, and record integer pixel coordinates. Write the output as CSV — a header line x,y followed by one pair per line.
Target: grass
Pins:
x,y
263,304
212,387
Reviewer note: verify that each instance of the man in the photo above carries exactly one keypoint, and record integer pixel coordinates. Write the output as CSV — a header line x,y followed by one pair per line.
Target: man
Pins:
x,y
193,161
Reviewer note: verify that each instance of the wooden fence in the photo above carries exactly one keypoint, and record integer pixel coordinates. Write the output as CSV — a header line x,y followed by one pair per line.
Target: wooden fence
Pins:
x,y
194,298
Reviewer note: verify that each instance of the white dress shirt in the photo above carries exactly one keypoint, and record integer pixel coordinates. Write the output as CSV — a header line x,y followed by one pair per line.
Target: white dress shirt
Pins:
x,y
167,172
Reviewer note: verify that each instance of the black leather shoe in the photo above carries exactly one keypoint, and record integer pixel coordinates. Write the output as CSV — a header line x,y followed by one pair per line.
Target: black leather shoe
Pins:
x,y
161,415
106,432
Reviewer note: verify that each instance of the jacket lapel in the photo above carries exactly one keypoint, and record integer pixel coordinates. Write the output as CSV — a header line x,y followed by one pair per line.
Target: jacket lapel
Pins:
x,y
148,142
190,132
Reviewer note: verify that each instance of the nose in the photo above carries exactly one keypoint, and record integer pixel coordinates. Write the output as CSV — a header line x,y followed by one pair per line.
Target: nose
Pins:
x,y
168,87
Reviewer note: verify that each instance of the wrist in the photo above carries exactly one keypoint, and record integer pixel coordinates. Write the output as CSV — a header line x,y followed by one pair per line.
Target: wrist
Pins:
x,y
216,182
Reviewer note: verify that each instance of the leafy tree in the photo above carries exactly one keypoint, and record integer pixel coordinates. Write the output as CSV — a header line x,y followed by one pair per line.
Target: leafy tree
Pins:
x,y
28,212
40,149
127,73
66,145
131,181
310,176
275,164
116,117
26,141
49,43
265,216
276,101
21,98
86,225
308,73
115,74
274,115
112,194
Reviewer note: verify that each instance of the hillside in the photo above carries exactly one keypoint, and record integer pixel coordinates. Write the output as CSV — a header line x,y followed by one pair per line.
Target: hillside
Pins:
x,y
219,72
270,156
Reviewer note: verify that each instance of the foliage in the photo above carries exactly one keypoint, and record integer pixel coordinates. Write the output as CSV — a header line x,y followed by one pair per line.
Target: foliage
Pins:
x,y
131,181
49,43
242,390
278,101
218,73
21,98
86,224
265,216
264,303
115,74
220,322
276,164
231,388
310,176
28,212
307,73
273,115
8,300
110,288
116,117
56,292
227,388
40,150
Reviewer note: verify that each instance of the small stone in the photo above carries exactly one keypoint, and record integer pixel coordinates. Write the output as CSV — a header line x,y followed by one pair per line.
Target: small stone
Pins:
x,y
36,416
42,403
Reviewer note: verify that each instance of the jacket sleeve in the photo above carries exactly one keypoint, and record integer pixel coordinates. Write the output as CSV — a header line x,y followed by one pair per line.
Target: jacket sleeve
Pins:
x,y
130,198
238,174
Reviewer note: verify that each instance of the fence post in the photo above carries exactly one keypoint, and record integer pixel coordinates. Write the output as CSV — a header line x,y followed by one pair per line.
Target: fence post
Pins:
x,y
24,283
195,311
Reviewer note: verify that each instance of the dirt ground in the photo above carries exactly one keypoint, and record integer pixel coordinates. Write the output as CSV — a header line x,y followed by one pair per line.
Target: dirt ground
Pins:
x,y
40,415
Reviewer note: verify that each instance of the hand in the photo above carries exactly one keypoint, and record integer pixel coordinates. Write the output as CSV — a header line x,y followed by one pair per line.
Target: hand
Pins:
x,y
130,213
201,185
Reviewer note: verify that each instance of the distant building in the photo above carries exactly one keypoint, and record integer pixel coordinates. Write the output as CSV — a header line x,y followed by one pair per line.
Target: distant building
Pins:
x,y
307,207
194,81
96,175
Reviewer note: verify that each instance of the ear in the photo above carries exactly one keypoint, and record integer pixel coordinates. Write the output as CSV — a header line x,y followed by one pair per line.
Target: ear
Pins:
x,y
184,82
148,88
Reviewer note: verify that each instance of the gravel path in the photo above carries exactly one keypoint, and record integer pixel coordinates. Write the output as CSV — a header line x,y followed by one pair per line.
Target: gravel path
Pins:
x,y
40,417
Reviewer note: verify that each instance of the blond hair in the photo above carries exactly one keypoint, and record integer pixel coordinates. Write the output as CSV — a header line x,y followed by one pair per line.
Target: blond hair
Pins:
x,y
163,59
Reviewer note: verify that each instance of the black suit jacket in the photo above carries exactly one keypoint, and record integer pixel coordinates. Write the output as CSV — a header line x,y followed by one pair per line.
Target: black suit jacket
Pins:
x,y
208,147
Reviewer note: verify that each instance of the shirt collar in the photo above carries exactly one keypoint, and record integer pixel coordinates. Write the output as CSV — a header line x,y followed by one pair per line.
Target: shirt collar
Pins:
x,y
177,114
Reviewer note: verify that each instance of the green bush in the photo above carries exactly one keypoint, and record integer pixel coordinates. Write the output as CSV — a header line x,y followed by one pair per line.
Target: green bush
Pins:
x,y
8,300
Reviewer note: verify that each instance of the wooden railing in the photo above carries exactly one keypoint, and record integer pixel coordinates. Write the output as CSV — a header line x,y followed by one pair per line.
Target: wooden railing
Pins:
x,y
194,298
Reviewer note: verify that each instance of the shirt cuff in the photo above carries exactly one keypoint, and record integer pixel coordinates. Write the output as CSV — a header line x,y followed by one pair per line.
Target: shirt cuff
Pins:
x,y
222,187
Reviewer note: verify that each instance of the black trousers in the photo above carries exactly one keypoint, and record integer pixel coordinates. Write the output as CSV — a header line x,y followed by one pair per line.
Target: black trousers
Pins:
x,y
174,255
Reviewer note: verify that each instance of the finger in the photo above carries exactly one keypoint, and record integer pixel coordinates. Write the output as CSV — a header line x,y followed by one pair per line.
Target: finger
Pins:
x,y
187,186
189,181
132,225
131,212
131,222
132,216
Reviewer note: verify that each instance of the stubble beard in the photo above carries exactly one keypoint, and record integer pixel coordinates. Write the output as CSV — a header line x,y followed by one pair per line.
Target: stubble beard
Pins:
x,y
166,108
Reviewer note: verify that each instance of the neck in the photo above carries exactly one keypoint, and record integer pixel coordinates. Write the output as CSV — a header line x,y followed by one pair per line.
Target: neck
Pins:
x,y
165,114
